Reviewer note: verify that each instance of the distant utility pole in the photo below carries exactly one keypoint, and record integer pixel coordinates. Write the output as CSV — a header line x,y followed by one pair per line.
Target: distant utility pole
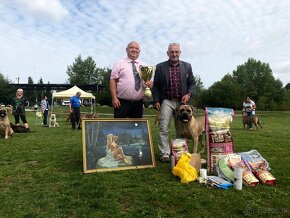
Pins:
x,y
17,80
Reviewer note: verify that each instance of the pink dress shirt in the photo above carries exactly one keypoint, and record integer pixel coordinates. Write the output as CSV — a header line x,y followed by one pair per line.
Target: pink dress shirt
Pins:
x,y
123,72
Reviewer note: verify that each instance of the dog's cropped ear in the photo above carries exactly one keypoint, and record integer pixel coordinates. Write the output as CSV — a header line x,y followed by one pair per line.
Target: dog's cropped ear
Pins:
x,y
115,138
193,109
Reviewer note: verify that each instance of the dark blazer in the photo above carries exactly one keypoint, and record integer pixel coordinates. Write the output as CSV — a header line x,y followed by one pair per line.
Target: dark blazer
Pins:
x,y
161,80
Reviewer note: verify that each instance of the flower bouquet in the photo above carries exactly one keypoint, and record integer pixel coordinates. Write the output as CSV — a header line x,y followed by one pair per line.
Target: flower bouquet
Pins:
x,y
146,75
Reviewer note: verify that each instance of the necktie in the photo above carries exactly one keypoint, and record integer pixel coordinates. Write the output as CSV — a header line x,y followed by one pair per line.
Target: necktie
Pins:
x,y
136,76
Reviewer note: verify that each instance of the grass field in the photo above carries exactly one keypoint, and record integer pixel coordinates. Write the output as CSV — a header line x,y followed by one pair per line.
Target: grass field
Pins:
x,y
41,176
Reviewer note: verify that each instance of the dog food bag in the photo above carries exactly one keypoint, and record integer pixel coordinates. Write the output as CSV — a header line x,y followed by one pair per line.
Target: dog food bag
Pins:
x,y
178,147
226,166
265,177
233,160
248,176
254,157
218,136
261,172
250,179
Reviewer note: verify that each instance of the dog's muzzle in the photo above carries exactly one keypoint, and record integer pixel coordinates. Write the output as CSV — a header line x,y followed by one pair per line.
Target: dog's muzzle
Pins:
x,y
185,117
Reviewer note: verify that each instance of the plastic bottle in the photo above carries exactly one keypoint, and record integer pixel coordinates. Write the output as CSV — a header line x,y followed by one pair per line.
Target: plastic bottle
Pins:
x,y
238,177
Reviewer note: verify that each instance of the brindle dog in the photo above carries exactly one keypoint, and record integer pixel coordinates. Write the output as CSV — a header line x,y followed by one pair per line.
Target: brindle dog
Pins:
x,y
251,119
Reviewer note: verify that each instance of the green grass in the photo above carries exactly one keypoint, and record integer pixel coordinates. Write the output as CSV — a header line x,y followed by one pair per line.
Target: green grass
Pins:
x,y
41,176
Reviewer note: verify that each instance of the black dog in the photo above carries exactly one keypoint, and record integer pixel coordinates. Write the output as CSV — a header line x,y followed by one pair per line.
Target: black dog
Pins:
x,y
19,128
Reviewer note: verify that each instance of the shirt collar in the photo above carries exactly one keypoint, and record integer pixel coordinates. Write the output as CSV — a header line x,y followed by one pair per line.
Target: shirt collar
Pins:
x,y
137,61
172,64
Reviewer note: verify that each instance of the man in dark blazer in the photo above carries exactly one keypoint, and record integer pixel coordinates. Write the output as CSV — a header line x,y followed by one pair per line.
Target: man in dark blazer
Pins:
x,y
173,83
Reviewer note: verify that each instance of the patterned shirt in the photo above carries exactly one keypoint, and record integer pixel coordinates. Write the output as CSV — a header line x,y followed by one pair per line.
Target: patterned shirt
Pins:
x,y
174,88
19,105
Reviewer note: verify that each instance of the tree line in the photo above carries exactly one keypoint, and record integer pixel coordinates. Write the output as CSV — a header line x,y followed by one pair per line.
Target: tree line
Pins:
x,y
252,78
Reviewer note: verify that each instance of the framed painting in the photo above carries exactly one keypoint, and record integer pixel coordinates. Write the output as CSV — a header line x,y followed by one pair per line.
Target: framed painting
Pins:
x,y
116,144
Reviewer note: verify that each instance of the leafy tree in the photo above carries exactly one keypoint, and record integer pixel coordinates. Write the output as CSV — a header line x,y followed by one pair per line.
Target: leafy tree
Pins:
x,y
224,93
47,92
198,84
285,105
40,81
39,94
30,80
7,92
84,72
104,77
256,80
199,88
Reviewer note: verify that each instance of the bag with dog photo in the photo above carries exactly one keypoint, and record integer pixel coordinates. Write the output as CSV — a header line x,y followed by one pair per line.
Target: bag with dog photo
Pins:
x,y
178,147
219,138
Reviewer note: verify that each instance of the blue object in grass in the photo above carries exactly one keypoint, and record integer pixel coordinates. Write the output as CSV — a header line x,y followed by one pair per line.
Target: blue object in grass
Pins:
x,y
219,182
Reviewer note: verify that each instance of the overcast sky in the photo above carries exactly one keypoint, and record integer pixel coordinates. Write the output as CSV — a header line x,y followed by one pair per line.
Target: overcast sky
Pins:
x,y
40,38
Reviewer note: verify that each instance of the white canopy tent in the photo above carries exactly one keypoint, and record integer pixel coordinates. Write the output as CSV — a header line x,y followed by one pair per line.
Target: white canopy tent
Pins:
x,y
67,94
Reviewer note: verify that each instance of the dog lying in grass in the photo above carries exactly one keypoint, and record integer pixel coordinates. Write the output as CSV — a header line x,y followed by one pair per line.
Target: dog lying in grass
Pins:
x,y
19,128
251,119
5,129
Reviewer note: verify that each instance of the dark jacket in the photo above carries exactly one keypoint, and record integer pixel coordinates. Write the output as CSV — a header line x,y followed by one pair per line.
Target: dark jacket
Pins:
x,y
19,105
161,80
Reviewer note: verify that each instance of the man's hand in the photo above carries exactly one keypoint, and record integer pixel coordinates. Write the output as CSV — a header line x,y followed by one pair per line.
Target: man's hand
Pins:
x,y
116,103
185,99
157,106
149,84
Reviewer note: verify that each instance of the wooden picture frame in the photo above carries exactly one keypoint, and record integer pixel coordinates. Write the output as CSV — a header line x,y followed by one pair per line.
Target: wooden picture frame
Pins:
x,y
116,144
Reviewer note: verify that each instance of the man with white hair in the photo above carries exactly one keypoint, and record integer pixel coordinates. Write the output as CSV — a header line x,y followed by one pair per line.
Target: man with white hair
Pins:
x,y
18,108
173,84
126,85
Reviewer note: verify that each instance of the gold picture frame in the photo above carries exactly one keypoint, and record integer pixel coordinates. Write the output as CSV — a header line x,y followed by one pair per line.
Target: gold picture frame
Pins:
x,y
116,144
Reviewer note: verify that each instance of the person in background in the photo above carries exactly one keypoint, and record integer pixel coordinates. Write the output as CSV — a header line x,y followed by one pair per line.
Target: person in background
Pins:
x,y
18,108
173,84
74,106
44,110
249,107
126,86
